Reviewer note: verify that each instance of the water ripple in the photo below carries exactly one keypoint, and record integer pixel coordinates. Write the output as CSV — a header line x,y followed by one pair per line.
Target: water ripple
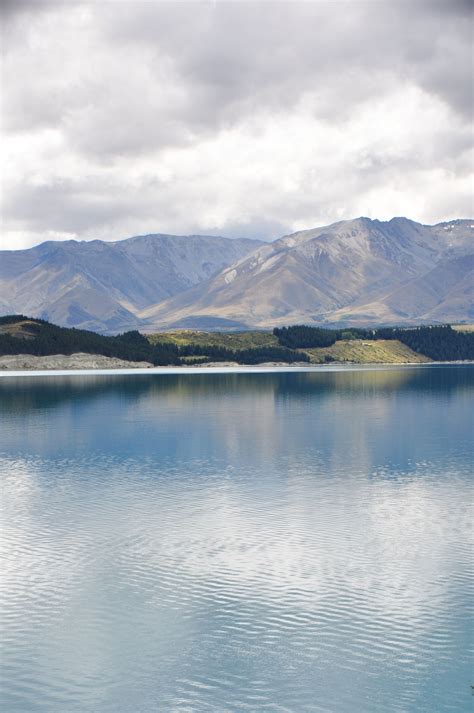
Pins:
x,y
298,581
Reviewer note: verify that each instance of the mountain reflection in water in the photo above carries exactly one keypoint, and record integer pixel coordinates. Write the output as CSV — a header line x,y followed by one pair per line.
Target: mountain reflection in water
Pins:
x,y
207,542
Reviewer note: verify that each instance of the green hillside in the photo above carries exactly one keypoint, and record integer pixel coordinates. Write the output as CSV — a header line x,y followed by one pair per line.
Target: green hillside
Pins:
x,y
22,335
227,340
464,327
294,344
379,351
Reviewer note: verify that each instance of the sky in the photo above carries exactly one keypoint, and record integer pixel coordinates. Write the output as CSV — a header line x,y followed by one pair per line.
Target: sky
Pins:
x,y
244,119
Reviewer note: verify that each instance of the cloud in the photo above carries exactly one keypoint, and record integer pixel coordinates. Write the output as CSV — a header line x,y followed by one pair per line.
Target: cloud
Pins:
x,y
124,117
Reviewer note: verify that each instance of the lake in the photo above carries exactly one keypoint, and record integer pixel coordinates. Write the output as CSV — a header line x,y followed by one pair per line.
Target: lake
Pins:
x,y
288,541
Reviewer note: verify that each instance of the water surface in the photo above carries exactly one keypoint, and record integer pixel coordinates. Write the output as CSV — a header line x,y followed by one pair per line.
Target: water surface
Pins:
x,y
237,542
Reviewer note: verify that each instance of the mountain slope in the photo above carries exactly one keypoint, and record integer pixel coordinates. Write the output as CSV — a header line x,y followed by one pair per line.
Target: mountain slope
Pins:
x,y
356,272
444,294
103,285
334,274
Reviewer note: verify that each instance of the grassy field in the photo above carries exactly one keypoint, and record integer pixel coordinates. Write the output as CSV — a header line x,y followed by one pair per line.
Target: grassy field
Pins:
x,y
21,335
23,329
389,351
230,340
357,351
463,327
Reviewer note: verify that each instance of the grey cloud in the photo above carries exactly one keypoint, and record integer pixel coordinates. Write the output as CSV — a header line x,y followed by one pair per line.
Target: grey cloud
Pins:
x,y
122,82
254,227
74,206
277,50
12,8
170,73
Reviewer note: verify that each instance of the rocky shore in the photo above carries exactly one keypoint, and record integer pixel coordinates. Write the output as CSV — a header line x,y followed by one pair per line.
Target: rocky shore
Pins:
x,y
16,362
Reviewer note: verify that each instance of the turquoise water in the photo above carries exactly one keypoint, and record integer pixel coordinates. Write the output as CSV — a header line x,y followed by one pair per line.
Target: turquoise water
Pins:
x,y
237,542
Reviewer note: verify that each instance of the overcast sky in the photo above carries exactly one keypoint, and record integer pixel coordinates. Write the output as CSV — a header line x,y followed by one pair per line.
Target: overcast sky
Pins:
x,y
235,118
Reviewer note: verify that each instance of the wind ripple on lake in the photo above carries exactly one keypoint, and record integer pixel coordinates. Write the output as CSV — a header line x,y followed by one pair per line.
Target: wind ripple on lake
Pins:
x,y
303,582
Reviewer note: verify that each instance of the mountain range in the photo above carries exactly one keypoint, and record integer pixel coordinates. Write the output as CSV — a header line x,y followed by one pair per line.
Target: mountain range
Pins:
x,y
357,272
103,286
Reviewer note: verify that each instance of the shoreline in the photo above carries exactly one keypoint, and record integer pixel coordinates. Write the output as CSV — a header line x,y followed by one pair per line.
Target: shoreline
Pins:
x,y
229,369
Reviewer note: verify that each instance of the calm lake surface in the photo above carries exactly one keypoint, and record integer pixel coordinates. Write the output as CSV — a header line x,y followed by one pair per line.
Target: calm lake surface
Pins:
x,y
238,542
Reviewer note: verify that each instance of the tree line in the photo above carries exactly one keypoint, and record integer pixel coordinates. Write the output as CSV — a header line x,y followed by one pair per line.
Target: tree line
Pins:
x,y
438,342
47,339
301,336
441,343
253,355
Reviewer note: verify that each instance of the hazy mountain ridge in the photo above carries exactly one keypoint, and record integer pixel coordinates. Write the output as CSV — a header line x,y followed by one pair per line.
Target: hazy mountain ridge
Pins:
x,y
358,271
103,285
351,271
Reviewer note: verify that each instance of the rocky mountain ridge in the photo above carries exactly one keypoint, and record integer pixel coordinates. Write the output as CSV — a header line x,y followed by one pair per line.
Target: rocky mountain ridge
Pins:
x,y
355,272
104,285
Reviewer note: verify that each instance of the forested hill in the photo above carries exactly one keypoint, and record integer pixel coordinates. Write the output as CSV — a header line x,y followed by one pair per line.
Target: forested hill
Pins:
x,y
299,343
22,335
438,342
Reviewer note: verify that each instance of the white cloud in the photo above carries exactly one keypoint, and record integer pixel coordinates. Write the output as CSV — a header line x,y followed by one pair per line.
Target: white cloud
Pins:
x,y
237,118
